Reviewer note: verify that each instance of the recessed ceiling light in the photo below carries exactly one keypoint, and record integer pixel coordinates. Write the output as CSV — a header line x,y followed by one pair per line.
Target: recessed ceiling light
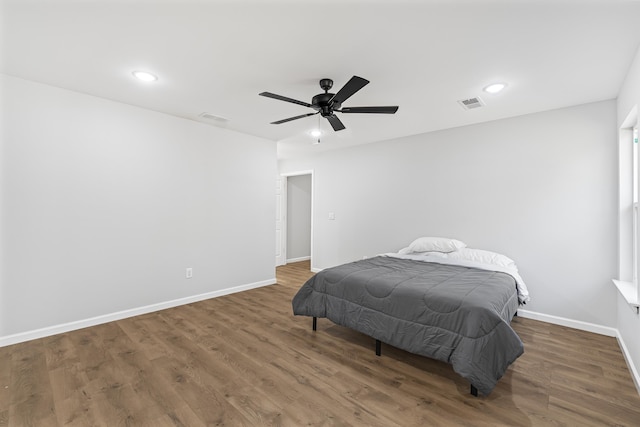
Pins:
x,y
145,76
495,87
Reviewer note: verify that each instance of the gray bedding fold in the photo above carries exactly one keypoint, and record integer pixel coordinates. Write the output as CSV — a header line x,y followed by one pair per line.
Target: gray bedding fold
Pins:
x,y
459,315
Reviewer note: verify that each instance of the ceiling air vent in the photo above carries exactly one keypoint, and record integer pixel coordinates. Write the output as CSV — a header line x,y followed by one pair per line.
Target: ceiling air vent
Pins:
x,y
213,117
471,103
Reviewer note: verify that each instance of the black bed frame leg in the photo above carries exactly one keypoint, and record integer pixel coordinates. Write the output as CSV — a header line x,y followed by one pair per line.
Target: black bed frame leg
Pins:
x,y
315,323
378,348
474,391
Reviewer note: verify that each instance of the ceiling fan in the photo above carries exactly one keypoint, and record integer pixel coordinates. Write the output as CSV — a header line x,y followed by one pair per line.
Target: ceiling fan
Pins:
x,y
327,103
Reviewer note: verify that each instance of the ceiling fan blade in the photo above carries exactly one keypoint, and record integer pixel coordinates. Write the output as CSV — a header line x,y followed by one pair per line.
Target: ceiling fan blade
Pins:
x,y
284,98
336,124
376,110
353,85
293,118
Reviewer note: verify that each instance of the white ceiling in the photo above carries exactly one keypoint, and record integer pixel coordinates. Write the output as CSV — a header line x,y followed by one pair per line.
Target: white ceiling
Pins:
x,y
216,56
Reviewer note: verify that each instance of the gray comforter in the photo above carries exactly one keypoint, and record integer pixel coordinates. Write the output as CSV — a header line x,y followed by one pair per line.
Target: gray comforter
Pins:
x,y
459,315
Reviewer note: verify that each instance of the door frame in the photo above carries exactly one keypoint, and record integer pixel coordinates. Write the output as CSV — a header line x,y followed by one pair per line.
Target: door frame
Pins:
x,y
283,207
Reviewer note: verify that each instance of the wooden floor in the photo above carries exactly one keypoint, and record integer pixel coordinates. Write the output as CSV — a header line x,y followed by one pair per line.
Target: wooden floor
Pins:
x,y
243,359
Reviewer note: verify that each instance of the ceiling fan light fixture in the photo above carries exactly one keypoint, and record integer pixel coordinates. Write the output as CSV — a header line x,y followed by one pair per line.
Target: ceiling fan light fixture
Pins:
x,y
315,133
495,87
144,76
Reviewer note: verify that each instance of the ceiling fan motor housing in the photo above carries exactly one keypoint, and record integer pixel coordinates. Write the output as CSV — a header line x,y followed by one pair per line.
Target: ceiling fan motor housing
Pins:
x,y
322,103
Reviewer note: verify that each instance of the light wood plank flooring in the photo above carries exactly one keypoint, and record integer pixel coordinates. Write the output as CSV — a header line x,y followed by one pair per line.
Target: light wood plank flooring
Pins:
x,y
243,359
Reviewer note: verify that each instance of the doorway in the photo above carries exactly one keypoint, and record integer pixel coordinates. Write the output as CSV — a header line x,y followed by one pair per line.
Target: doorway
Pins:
x,y
294,228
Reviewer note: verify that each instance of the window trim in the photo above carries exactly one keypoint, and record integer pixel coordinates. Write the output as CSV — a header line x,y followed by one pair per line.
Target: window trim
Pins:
x,y
628,210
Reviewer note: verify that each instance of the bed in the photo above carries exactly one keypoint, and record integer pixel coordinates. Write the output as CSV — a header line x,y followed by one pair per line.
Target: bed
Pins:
x,y
453,304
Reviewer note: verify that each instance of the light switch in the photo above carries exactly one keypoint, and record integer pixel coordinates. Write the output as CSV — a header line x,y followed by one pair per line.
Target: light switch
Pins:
x,y
332,216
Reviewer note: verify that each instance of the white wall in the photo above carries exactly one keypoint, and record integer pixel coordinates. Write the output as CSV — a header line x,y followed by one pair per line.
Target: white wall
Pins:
x,y
104,205
298,217
628,321
539,188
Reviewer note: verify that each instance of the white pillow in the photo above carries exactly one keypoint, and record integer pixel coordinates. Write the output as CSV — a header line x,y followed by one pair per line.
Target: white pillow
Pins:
x,y
435,244
484,257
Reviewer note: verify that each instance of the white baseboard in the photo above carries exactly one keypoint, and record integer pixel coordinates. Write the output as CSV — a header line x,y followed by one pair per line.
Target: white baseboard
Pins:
x,y
79,324
303,258
71,326
570,323
629,360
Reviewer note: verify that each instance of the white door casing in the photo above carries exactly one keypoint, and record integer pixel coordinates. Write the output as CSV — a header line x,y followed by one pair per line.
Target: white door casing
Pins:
x,y
281,247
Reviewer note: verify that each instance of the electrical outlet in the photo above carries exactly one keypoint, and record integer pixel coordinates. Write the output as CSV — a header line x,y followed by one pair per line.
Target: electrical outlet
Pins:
x,y
189,273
